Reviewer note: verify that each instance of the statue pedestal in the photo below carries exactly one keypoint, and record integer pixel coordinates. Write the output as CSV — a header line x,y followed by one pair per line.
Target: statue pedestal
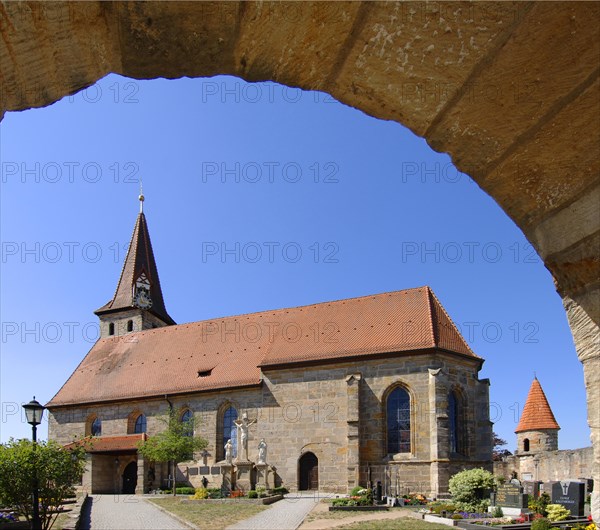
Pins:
x,y
262,476
228,477
243,476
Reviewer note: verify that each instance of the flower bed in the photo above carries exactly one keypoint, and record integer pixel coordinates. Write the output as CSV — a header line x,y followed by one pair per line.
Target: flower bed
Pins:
x,y
241,499
472,523
578,523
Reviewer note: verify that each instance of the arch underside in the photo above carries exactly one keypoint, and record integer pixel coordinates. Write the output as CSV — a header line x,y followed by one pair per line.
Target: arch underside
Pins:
x,y
509,90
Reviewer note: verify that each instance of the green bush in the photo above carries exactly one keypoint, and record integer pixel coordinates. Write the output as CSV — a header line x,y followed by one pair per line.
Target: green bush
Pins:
x,y
541,524
470,488
498,512
186,490
366,499
252,494
439,507
344,502
214,493
280,490
456,516
539,505
557,512
355,491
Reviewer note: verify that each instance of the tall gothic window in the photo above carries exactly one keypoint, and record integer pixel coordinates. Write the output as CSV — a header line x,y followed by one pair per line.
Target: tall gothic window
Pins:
x,y
398,421
140,424
111,328
526,445
186,417
130,325
229,428
456,424
96,429
453,422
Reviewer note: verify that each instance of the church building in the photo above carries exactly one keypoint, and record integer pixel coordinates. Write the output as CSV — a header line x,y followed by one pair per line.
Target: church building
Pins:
x,y
337,394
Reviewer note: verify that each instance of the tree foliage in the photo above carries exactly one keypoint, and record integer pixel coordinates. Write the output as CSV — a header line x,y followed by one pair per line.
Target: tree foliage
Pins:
x,y
57,470
470,488
498,453
174,444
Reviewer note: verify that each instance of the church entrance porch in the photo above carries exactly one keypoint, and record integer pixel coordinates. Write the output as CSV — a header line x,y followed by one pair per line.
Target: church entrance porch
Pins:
x,y
114,466
308,472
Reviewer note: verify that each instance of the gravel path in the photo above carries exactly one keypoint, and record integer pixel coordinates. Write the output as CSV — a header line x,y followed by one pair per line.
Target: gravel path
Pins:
x,y
287,514
127,512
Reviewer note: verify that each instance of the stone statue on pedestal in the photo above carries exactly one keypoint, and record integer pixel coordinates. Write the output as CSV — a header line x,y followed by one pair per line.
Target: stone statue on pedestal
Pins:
x,y
242,426
262,451
229,452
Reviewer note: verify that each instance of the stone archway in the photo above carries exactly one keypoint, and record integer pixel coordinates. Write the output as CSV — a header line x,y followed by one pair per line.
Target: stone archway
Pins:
x,y
308,472
509,90
129,478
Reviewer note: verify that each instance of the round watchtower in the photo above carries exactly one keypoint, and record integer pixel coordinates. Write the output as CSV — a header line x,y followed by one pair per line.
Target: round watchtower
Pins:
x,y
537,429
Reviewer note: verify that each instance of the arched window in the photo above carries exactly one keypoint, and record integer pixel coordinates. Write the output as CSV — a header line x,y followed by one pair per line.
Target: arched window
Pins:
x,y
398,421
229,428
140,424
129,325
96,428
111,328
186,417
453,422
526,445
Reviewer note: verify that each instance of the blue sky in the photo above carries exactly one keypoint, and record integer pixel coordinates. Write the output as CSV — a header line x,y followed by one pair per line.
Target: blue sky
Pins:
x,y
258,196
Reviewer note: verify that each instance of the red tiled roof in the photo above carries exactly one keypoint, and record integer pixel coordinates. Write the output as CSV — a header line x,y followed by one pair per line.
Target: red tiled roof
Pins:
x,y
537,414
230,352
140,258
101,444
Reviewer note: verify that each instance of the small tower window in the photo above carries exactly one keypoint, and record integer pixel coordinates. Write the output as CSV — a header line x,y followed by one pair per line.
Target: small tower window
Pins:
x,y
111,328
526,445
129,326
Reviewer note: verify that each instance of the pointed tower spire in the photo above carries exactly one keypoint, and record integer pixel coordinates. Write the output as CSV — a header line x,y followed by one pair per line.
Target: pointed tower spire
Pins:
x,y
138,291
537,429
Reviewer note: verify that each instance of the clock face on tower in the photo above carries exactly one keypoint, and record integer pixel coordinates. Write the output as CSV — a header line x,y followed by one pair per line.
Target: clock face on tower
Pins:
x,y
142,299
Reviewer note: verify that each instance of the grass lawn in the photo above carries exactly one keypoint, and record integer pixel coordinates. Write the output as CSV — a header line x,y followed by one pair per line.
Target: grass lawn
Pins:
x,y
319,514
212,514
395,524
61,521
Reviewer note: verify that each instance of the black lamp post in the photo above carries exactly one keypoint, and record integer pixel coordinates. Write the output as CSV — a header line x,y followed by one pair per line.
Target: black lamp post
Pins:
x,y
34,412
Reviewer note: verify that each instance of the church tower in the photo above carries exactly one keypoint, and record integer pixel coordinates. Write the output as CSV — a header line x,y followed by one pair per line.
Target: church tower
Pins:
x,y
537,429
138,302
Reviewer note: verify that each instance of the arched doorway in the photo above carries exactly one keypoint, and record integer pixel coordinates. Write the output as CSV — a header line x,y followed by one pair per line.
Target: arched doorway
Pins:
x,y
308,472
130,478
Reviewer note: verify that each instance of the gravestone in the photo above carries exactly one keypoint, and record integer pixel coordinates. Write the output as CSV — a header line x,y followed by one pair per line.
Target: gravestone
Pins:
x,y
570,494
204,470
193,471
511,499
532,488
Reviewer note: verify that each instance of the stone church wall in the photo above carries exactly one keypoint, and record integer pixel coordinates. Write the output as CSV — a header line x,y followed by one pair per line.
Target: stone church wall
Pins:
x,y
336,411
548,465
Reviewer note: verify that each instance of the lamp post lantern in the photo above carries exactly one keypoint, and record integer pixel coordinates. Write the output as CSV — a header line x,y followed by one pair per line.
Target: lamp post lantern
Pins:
x,y
34,412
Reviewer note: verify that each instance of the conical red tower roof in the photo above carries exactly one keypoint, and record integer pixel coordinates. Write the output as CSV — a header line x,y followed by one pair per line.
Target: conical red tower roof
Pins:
x,y
537,414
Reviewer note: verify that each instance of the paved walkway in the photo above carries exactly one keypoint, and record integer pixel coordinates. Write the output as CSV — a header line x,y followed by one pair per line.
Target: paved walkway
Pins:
x,y
120,512
287,514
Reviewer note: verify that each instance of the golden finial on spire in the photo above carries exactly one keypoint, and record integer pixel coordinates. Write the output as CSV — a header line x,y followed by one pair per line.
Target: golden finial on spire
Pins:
x,y
141,197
